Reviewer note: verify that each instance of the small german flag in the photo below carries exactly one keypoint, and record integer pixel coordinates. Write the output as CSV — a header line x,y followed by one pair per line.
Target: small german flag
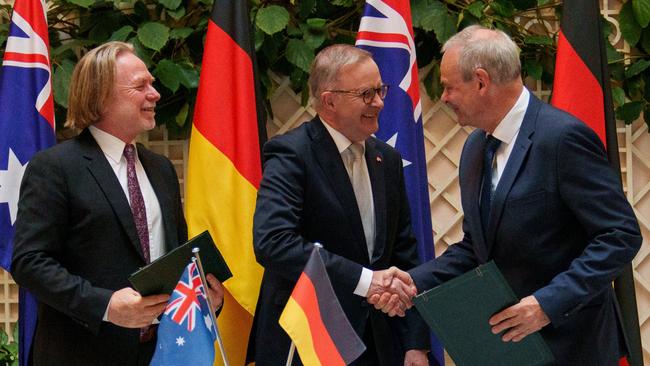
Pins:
x,y
315,321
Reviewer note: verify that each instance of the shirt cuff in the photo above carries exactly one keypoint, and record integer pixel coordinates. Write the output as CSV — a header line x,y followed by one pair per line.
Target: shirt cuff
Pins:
x,y
364,282
105,318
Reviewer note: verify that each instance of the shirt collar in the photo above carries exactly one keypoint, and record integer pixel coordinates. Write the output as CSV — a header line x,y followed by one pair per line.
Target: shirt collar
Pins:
x,y
111,146
342,142
511,123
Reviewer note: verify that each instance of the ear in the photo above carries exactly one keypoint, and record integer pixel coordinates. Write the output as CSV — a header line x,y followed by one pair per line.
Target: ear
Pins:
x,y
483,79
327,100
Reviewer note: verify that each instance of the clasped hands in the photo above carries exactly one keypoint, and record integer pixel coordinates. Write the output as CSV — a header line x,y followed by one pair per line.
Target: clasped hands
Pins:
x,y
391,291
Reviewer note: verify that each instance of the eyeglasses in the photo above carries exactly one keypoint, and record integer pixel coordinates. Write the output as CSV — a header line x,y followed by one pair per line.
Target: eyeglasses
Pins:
x,y
368,95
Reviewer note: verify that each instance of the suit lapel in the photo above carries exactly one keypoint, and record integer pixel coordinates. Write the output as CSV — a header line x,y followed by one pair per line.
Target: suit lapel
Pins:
x,y
470,184
513,166
107,181
330,161
378,182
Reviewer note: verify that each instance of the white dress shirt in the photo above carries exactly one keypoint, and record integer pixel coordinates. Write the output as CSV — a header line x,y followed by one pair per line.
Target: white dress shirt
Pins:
x,y
113,149
342,144
507,132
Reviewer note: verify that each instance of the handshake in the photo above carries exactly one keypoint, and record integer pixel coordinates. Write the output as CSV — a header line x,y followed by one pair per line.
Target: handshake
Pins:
x,y
391,291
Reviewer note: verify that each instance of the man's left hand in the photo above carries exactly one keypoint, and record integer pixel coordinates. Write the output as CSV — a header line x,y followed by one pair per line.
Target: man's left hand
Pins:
x,y
521,319
416,357
215,291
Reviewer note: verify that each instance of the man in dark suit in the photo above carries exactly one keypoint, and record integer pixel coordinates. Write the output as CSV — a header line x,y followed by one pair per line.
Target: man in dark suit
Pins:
x,y
316,189
541,200
94,209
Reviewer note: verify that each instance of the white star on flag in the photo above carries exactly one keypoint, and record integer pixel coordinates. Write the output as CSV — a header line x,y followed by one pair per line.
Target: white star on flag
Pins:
x,y
180,341
392,141
10,184
208,322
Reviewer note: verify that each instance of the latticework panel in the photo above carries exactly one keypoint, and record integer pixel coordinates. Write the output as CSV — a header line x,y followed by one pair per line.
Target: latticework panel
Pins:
x,y
8,302
637,178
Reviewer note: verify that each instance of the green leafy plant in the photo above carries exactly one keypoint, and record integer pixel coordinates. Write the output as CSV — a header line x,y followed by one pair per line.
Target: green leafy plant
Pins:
x,y
8,349
168,35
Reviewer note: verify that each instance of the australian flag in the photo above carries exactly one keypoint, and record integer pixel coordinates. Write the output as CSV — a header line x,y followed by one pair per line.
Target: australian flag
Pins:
x,y
186,334
26,126
386,32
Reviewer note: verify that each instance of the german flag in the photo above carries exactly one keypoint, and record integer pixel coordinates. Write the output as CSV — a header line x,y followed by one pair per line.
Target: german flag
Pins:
x,y
315,321
224,166
582,88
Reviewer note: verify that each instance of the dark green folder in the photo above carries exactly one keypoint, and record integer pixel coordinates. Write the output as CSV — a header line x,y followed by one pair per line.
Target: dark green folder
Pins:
x,y
458,312
162,275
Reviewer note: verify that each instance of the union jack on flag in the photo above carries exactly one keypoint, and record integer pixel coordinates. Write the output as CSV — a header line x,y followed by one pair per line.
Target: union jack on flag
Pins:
x,y
26,126
385,30
186,334
184,303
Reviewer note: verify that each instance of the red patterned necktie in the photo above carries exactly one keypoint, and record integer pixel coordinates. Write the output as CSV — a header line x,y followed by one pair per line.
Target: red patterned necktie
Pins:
x,y
137,202
140,217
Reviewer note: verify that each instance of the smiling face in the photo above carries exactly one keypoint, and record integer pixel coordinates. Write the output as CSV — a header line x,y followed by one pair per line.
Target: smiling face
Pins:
x,y
129,110
350,115
462,96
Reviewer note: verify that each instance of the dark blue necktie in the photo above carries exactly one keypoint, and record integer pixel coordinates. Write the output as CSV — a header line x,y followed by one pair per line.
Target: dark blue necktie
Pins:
x,y
491,146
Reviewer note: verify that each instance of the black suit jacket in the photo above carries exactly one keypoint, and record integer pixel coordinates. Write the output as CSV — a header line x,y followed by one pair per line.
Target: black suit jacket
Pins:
x,y
76,243
560,229
306,197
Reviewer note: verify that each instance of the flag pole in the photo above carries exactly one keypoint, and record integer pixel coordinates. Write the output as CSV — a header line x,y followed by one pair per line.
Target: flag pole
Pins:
x,y
292,350
197,260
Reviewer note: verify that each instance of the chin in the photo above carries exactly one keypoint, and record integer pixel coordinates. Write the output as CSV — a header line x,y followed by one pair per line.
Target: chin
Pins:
x,y
149,125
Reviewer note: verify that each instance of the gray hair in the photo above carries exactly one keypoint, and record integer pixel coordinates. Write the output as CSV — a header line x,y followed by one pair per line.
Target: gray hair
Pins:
x,y
489,49
327,65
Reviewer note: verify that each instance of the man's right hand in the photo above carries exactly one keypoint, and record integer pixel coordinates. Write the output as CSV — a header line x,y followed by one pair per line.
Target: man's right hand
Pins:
x,y
394,289
130,310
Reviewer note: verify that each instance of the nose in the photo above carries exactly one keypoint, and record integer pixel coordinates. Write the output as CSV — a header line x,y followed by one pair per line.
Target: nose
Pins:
x,y
152,94
444,97
377,102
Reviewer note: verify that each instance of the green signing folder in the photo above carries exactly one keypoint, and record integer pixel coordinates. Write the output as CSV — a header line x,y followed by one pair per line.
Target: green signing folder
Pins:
x,y
162,275
458,312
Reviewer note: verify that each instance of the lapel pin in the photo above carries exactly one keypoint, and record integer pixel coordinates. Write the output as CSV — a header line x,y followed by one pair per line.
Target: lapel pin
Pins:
x,y
379,159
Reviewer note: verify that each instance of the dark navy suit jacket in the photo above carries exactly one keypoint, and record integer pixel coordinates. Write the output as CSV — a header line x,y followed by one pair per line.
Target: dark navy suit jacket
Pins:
x,y
306,197
76,242
560,229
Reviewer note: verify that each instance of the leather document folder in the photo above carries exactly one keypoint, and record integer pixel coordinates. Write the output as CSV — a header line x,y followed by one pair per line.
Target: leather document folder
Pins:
x,y
458,312
162,275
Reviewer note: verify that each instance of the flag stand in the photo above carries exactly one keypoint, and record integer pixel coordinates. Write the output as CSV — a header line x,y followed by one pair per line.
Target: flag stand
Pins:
x,y
292,350
197,259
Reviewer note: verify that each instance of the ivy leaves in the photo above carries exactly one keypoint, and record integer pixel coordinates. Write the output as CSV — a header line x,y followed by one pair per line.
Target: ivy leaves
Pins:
x,y
287,38
272,19
166,34
631,78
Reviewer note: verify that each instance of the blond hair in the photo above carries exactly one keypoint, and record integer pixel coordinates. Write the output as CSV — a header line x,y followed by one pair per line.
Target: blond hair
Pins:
x,y
92,84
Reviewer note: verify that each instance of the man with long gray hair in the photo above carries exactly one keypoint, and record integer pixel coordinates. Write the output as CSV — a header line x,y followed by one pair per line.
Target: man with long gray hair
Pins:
x,y
541,200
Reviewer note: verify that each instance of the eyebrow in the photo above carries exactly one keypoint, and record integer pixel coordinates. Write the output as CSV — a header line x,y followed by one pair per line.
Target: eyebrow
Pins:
x,y
143,78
